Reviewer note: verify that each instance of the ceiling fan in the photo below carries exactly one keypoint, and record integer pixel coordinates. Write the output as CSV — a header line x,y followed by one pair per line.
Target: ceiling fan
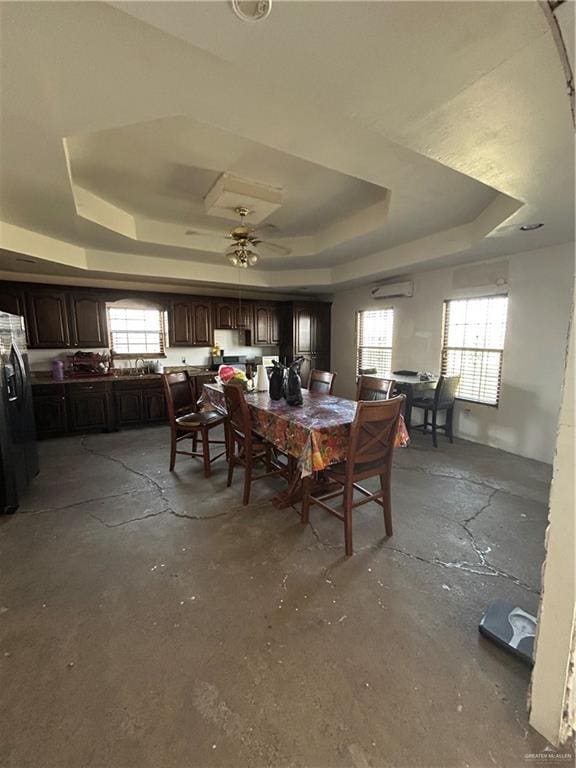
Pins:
x,y
242,251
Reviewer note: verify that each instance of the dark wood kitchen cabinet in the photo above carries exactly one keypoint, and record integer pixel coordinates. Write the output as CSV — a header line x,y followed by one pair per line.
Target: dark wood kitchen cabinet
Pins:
x,y
47,319
266,328
12,300
89,406
233,315
305,331
50,410
139,402
190,324
88,321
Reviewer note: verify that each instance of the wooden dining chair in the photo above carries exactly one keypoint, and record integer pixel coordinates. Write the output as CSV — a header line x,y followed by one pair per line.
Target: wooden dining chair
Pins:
x,y
245,447
370,451
443,399
187,422
321,382
373,388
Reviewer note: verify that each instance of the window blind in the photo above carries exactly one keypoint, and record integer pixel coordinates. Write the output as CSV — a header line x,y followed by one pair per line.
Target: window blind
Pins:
x,y
375,330
136,331
473,344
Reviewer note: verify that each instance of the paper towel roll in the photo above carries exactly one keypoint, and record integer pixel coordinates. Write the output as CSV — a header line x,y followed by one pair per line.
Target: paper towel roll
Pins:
x,y
261,379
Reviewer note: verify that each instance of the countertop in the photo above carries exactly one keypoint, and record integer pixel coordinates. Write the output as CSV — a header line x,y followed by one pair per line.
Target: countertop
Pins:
x,y
43,379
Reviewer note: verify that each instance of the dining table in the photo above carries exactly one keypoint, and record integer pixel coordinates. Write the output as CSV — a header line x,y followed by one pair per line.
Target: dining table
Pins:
x,y
313,435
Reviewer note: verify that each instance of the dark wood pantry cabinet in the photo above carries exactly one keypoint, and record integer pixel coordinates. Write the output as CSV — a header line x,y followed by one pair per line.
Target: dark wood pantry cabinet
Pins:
x,y
305,331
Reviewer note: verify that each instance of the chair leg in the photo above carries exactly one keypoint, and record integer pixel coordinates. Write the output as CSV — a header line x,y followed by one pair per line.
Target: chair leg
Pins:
x,y
450,418
386,504
194,442
268,457
348,494
172,450
434,433
205,452
425,419
247,481
231,458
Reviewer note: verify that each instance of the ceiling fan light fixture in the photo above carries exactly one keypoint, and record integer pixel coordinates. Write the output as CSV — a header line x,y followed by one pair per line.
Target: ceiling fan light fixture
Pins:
x,y
252,259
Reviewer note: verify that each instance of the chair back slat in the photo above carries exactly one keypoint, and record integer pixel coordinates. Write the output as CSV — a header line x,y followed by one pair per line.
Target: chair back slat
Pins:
x,y
321,382
179,394
373,388
372,435
239,416
445,392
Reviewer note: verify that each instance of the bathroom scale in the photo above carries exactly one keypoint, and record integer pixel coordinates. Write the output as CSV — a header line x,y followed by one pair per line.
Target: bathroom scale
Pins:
x,y
510,627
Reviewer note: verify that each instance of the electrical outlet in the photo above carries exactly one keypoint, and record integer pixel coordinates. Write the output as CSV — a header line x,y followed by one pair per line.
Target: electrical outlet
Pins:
x,y
183,361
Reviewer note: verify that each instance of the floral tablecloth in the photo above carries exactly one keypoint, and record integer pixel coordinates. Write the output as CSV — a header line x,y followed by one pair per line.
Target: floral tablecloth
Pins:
x,y
316,433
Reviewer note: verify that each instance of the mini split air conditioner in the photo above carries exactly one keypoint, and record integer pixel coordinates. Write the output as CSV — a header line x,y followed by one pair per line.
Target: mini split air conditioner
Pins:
x,y
392,290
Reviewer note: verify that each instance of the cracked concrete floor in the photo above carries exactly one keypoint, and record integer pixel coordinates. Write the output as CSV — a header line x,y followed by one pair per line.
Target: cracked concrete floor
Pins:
x,y
149,620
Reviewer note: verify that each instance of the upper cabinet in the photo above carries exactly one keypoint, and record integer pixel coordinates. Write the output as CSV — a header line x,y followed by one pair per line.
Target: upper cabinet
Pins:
x,y
88,325
11,300
47,319
233,315
266,327
190,323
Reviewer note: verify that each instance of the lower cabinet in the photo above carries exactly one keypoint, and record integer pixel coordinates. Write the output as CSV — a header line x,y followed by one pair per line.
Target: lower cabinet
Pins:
x,y
139,403
50,410
89,407
101,406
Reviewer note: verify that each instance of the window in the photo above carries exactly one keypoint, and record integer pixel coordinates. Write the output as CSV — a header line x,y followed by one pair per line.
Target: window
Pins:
x,y
374,333
474,331
136,331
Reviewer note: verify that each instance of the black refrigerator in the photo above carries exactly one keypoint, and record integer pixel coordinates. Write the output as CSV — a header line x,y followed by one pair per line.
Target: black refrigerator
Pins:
x,y
18,452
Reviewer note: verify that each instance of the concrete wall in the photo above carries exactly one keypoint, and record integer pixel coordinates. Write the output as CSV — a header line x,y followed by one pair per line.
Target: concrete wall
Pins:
x,y
553,682
540,286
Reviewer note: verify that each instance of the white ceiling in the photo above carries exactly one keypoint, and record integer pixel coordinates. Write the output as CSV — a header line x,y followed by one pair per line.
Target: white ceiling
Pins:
x,y
453,117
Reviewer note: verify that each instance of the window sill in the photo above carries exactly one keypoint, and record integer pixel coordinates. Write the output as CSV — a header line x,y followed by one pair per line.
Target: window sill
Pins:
x,y
146,356
477,402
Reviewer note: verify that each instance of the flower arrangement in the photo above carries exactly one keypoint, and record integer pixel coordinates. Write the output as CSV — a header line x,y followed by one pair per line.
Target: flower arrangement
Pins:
x,y
230,375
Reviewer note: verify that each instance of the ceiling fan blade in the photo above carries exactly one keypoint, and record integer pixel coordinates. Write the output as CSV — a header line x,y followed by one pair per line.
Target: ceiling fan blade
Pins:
x,y
274,247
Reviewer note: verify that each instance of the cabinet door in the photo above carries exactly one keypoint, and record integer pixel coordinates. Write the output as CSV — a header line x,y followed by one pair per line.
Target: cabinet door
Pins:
x,y
88,406
202,336
11,300
302,331
225,316
154,405
261,324
88,324
129,407
179,323
321,330
47,318
50,415
243,315
274,325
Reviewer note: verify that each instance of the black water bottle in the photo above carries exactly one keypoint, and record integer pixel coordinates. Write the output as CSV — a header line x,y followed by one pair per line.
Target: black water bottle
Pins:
x,y
294,384
277,386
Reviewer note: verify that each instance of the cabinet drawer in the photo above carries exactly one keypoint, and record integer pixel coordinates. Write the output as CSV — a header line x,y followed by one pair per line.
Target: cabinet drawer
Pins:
x,y
48,390
95,388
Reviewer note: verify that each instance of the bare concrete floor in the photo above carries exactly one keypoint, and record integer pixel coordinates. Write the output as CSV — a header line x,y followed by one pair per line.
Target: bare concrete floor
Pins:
x,y
148,620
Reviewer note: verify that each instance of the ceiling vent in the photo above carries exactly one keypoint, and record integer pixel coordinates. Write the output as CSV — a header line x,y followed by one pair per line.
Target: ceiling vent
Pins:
x,y
393,290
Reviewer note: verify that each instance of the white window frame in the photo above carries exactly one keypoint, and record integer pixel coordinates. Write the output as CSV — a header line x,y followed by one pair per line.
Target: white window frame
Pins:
x,y
160,352
389,348
482,353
